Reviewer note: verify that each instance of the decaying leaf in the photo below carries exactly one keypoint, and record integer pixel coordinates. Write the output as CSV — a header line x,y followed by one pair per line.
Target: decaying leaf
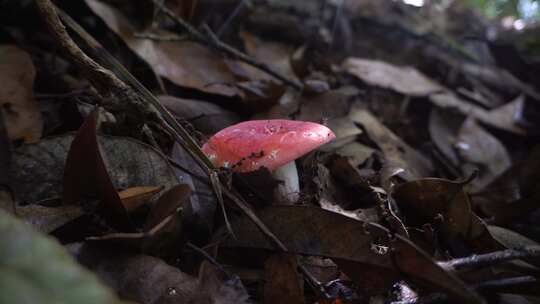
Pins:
x,y
199,212
22,116
443,129
355,152
482,151
498,118
283,282
345,130
513,194
163,233
47,219
276,55
444,203
38,168
146,279
86,177
405,80
185,63
167,204
205,117
399,156
133,198
331,104
369,245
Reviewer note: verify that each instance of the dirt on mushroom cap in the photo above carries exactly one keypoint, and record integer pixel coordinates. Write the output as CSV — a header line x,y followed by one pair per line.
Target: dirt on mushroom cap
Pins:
x,y
250,145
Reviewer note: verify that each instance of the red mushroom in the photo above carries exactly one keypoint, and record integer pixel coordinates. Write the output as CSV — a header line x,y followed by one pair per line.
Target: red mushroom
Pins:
x,y
273,144
250,145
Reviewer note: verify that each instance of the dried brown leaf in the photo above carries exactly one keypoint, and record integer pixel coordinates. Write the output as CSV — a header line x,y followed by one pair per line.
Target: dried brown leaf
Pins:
x,y
185,63
204,116
146,279
283,282
405,80
134,197
400,158
323,233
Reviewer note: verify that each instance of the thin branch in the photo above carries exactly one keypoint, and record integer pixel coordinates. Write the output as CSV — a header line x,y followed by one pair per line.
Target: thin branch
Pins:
x,y
491,286
505,283
156,37
213,41
429,299
208,257
102,79
490,259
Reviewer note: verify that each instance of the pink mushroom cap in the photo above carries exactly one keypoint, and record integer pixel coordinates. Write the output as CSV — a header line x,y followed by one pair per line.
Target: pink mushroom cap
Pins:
x,y
249,145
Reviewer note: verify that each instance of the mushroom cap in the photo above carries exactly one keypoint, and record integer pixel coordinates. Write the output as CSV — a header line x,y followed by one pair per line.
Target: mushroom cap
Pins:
x,y
249,145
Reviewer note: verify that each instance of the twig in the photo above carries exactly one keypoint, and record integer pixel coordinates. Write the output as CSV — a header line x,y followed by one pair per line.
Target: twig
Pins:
x,y
506,283
429,299
489,259
213,41
155,37
102,79
208,257
491,286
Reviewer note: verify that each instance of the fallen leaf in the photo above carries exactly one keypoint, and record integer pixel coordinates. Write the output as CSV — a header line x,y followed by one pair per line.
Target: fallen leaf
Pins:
x,y
323,233
199,211
513,240
355,152
204,116
398,155
167,204
163,233
443,129
185,63
444,203
38,168
283,282
481,151
146,279
513,194
405,80
493,118
275,54
509,238
331,104
345,130
134,197
47,219
85,176
20,110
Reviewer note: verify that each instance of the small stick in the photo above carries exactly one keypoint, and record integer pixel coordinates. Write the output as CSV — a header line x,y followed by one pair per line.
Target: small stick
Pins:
x,y
489,259
493,285
208,257
429,299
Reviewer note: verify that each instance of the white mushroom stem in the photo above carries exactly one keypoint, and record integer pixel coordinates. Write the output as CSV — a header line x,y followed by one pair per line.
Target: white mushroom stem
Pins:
x,y
288,191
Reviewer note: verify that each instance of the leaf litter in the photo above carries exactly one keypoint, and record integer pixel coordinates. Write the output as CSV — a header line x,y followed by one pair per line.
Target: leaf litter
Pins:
x,y
434,163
